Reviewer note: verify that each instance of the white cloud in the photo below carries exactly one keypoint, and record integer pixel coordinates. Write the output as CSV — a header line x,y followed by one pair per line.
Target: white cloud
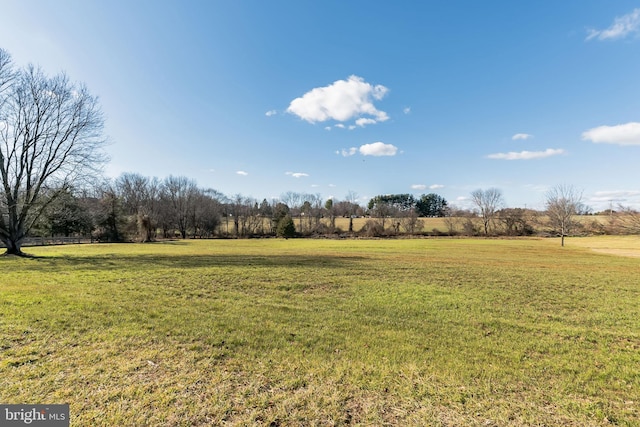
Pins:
x,y
363,121
406,110
271,113
461,198
243,173
527,155
352,127
419,187
627,134
436,186
339,125
622,26
341,101
327,128
375,149
378,149
346,152
297,174
521,136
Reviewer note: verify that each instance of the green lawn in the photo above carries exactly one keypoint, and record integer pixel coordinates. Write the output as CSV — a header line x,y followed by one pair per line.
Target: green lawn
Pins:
x,y
441,332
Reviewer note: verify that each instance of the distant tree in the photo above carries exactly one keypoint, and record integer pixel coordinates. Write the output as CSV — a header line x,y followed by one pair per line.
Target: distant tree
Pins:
x,y
331,211
179,194
109,219
624,220
266,211
381,208
452,219
246,215
563,203
286,227
352,207
410,222
398,202
50,138
294,201
431,205
488,202
315,211
279,212
140,202
65,216
206,214
516,221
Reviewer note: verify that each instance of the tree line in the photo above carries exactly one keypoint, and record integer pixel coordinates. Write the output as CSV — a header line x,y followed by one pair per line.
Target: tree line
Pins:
x,y
138,208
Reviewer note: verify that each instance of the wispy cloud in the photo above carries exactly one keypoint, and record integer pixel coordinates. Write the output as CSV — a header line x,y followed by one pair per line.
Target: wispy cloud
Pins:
x,y
626,134
406,110
243,173
521,136
271,113
424,187
378,149
622,26
342,101
296,174
346,152
527,155
615,196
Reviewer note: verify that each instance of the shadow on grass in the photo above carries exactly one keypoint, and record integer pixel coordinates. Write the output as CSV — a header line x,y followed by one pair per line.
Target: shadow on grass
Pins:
x,y
163,261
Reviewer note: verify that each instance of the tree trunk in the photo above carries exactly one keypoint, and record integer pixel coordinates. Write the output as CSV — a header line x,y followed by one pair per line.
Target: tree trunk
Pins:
x,y
14,246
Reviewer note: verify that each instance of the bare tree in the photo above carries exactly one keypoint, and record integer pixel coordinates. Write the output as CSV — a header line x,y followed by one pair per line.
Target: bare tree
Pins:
x,y
410,222
488,203
625,220
140,200
205,217
352,201
563,203
179,195
50,137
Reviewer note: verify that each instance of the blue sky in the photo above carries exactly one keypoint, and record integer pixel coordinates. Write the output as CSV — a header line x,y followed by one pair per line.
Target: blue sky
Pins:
x,y
263,97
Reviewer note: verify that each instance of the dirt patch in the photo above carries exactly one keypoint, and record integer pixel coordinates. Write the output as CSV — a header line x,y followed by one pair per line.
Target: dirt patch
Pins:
x,y
634,253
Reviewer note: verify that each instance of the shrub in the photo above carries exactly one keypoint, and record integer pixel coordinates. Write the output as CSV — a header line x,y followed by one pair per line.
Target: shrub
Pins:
x,y
285,227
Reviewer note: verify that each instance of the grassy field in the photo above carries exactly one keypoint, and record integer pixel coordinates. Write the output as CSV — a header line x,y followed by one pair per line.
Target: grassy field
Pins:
x,y
441,332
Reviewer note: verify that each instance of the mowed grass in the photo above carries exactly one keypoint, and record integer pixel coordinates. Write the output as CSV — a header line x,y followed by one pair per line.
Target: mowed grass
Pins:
x,y
442,332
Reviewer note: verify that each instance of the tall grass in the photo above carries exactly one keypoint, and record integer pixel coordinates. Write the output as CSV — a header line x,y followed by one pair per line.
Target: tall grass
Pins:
x,y
313,332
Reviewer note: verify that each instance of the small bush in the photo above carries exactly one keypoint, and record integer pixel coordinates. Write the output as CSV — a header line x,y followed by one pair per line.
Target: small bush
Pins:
x,y
286,227
372,228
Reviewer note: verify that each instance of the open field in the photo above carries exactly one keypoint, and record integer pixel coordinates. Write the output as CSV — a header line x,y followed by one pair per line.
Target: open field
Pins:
x,y
442,332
